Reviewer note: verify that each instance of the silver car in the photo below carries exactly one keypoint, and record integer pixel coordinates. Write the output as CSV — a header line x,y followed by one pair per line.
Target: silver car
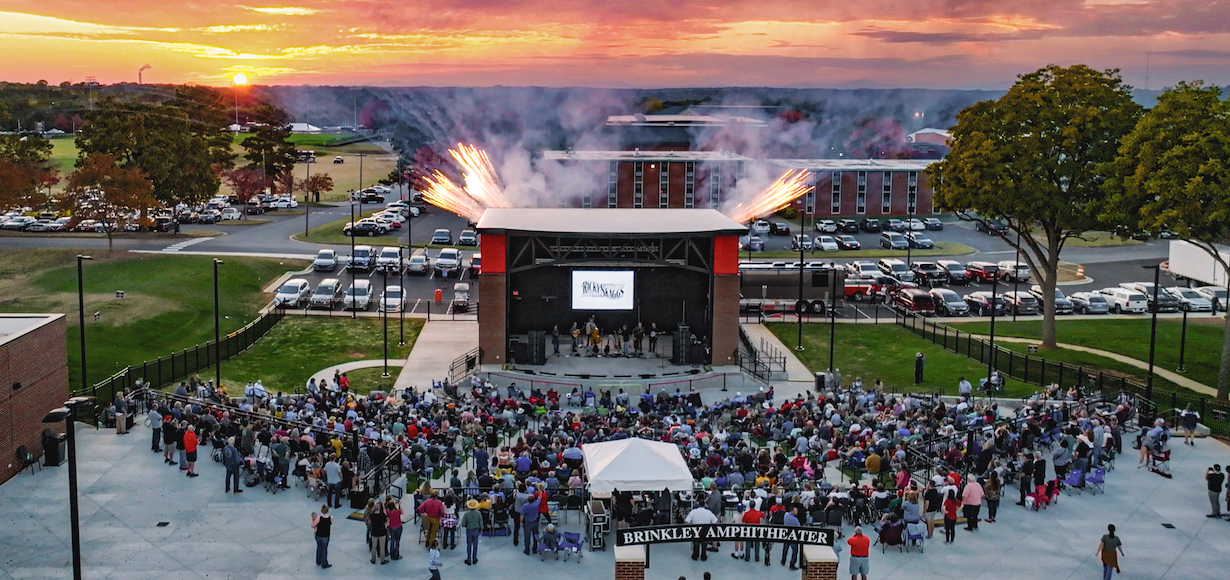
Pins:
x,y
1189,300
1089,303
326,260
949,303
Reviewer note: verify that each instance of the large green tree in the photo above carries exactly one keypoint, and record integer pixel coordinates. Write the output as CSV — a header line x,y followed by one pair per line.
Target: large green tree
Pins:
x,y
25,170
209,113
268,149
1035,158
1173,172
170,148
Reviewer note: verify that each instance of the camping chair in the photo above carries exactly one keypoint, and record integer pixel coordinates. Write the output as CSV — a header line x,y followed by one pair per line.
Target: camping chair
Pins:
x,y
571,543
915,535
1074,481
891,535
27,459
548,543
1097,481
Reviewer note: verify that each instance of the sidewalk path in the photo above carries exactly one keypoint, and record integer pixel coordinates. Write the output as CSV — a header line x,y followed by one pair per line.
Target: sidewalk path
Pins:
x,y
438,344
327,374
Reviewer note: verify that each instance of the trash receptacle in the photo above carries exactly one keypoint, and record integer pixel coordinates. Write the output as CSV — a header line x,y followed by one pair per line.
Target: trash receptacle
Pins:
x,y
820,379
55,448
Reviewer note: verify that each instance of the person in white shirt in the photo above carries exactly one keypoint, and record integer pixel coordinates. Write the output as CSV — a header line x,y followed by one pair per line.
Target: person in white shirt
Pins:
x,y
311,386
700,515
964,387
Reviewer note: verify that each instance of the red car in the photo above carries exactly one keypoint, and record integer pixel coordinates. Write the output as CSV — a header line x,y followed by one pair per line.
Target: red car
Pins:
x,y
476,263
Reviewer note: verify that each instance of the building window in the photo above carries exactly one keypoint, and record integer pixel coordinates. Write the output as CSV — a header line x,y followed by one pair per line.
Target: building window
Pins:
x,y
664,186
886,206
689,184
638,184
861,197
911,195
715,186
835,199
809,200
612,184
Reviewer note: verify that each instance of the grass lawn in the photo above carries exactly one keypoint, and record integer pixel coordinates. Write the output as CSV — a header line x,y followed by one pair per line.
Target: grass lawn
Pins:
x,y
940,249
364,381
331,233
286,357
1131,338
1094,362
63,156
1096,240
885,352
167,305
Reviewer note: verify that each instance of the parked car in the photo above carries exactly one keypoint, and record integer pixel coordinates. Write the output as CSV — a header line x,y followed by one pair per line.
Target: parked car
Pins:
x,y
209,216
358,296
933,223
779,229
982,271
948,303
914,300
847,242
801,242
294,292
391,300
1190,300
863,268
91,226
870,225
929,274
1062,304
369,196
231,213
954,271
754,244
337,160
1089,303
364,258
893,241
895,225
991,227
1214,294
980,303
1166,301
915,225
442,236
1013,271
461,297
448,261
42,225
895,268
919,240
826,226
476,264
17,223
1123,300
364,227
389,259
326,261
419,263
826,244
467,238
759,227
286,202
328,294
847,226
1022,303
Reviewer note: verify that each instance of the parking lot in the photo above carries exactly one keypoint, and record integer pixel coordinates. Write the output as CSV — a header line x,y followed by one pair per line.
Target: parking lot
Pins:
x,y
953,232
420,289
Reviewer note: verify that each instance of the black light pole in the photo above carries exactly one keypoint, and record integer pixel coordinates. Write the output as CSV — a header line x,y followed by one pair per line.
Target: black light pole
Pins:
x,y
909,242
798,307
991,359
401,306
217,331
1016,275
1183,343
81,316
832,312
385,307
68,414
354,314
306,198
1157,272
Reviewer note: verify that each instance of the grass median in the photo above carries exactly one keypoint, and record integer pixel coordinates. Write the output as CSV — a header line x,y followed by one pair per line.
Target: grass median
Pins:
x,y
295,349
940,249
167,304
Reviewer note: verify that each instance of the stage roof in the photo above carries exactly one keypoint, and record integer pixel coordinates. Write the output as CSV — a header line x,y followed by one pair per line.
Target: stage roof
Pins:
x,y
617,222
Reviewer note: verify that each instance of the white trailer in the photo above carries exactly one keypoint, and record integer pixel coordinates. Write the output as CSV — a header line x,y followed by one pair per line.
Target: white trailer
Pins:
x,y
1189,261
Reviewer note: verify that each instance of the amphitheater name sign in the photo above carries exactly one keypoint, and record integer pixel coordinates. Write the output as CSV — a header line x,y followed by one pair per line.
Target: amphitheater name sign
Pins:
x,y
723,532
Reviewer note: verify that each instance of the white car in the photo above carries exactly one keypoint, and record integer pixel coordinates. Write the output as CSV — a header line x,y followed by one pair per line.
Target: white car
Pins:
x,y
231,213
286,202
43,225
1214,294
1190,300
18,223
358,296
447,261
392,216
1124,300
826,244
826,226
864,268
915,225
391,300
760,227
389,259
294,292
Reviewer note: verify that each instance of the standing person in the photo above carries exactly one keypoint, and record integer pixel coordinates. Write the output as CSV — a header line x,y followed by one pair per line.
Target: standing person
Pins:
x,y
1110,548
232,460
950,516
919,362
433,559
394,511
431,510
555,339
169,436
860,549
519,500
121,414
716,504
190,444
529,523
179,445
472,523
700,515
333,482
992,491
627,340
322,524
933,502
1027,476
1215,480
379,522
575,333
790,551
1188,419
752,517
638,336
653,338
155,425
971,499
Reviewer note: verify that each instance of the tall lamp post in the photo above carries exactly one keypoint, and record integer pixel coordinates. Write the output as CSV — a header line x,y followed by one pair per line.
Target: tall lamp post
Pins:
x,y
800,305
360,189
994,304
217,330
1157,272
354,312
68,415
81,317
307,197
1016,276
832,311
385,315
401,283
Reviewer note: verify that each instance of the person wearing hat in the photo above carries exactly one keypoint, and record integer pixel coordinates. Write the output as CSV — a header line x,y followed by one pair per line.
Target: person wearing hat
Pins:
x,y
472,523
919,362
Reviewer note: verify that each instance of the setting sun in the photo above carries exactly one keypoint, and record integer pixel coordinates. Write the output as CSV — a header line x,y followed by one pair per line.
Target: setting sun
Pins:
x,y
239,79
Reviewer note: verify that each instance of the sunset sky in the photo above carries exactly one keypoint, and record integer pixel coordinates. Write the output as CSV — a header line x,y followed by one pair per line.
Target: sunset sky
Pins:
x,y
612,43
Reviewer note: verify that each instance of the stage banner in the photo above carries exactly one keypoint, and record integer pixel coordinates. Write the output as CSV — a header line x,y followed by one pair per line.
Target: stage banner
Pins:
x,y
724,533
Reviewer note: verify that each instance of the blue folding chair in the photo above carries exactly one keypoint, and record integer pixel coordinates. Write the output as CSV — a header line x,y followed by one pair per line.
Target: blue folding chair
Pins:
x,y
1097,481
1074,481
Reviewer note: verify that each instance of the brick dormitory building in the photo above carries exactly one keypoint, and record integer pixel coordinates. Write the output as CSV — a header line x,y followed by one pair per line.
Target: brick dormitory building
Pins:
x,y
33,381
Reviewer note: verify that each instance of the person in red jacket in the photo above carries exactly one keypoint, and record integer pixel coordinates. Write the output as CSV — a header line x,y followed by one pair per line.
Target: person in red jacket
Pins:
x,y
544,511
190,444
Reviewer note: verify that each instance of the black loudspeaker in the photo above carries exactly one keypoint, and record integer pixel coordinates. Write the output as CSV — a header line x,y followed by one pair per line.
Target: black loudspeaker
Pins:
x,y
521,352
682,341
537,348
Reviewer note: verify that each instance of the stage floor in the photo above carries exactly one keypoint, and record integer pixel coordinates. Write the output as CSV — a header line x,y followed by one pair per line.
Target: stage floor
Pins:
x,y
568,364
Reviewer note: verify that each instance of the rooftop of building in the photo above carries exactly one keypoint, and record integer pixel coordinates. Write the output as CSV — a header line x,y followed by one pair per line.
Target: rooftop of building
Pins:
x,y
13,326
609,222
638,155
854,164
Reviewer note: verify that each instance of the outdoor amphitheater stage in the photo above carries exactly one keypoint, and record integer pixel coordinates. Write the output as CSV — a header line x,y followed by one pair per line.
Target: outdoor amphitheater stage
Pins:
x,y
568,371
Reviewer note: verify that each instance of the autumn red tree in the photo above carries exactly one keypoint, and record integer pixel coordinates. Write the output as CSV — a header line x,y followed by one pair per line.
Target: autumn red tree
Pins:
x,y
245,183
103,191
315,185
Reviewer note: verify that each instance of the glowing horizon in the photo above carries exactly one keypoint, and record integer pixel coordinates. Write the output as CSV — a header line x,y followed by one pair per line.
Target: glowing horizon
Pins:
x,y
803,43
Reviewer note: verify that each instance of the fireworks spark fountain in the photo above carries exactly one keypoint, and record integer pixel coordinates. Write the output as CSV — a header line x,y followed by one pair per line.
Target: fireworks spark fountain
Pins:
x,y
482,188
789,187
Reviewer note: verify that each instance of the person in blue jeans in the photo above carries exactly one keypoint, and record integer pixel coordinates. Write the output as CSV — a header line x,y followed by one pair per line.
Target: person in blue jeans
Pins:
x,y
472,523
529,522
322,524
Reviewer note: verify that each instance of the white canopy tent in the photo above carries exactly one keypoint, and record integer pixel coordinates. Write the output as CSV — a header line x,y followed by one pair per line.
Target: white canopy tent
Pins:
x,y
635,465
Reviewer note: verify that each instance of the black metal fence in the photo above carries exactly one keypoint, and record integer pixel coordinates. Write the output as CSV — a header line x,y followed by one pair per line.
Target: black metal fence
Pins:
x,y
178,365
464,366
1037,370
